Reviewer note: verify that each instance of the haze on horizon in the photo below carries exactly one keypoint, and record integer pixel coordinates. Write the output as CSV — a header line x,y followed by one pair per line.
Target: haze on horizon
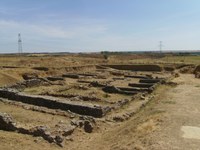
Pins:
x,y
96,25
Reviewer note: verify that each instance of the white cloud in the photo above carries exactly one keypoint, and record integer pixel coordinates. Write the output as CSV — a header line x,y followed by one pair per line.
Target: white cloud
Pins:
x,y
51,31
37,36
91,35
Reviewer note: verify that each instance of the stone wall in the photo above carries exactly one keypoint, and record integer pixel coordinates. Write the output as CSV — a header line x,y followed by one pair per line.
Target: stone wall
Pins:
x,y
137,67
54,103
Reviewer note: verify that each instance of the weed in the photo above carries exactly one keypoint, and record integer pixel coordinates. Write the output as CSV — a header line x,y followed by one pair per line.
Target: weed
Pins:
x,y
106,95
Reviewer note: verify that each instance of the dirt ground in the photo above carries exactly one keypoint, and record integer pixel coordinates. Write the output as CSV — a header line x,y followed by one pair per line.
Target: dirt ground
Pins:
x,y
159,125
182,110
170,121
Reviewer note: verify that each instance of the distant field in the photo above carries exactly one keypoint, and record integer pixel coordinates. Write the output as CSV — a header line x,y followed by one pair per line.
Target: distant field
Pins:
x,y
88,59
182,59
151,59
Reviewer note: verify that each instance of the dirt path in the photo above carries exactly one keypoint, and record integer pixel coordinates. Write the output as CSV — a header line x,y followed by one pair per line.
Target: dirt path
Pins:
x,y
170,122
181,128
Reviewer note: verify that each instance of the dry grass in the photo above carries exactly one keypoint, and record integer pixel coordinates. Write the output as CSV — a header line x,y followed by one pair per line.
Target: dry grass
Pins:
x,y
30,118
12,141
129,135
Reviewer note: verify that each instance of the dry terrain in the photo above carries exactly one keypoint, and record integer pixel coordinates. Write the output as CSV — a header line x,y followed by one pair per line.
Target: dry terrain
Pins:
x,y
87,101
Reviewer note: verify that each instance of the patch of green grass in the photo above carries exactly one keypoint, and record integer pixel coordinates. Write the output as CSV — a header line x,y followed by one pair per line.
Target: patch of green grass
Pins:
x,y
106,95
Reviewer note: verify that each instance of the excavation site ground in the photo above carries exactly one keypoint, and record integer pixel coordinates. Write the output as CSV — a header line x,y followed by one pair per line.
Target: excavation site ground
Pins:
x,y
89,101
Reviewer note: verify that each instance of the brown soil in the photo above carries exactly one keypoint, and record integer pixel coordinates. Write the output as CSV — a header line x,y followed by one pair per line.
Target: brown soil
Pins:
x,y
159,125
7,79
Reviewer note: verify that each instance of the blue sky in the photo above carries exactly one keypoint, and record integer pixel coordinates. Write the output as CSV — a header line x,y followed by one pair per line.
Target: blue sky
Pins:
x,y
95,25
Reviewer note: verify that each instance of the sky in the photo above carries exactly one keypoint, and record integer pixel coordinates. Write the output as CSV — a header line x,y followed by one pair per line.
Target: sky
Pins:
x,y
99,25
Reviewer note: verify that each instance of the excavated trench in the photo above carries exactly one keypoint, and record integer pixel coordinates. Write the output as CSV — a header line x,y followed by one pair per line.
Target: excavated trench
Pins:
x,y
146,85
110,87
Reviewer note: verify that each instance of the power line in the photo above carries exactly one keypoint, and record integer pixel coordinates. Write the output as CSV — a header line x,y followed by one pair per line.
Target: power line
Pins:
x,y
160,46
19,44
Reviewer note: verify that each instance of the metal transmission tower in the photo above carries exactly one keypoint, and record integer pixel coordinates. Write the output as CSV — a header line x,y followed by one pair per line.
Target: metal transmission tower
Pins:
x,y
19,44
160,46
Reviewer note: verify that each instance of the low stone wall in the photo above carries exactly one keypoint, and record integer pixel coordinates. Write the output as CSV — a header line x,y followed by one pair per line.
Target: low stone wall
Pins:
x,y
197,69
136,76
30,83
151,80
80,68
134,89
55,103
87,74
169,68
8,124
113,89
141,85
73,76
41,68
55,78
136,67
